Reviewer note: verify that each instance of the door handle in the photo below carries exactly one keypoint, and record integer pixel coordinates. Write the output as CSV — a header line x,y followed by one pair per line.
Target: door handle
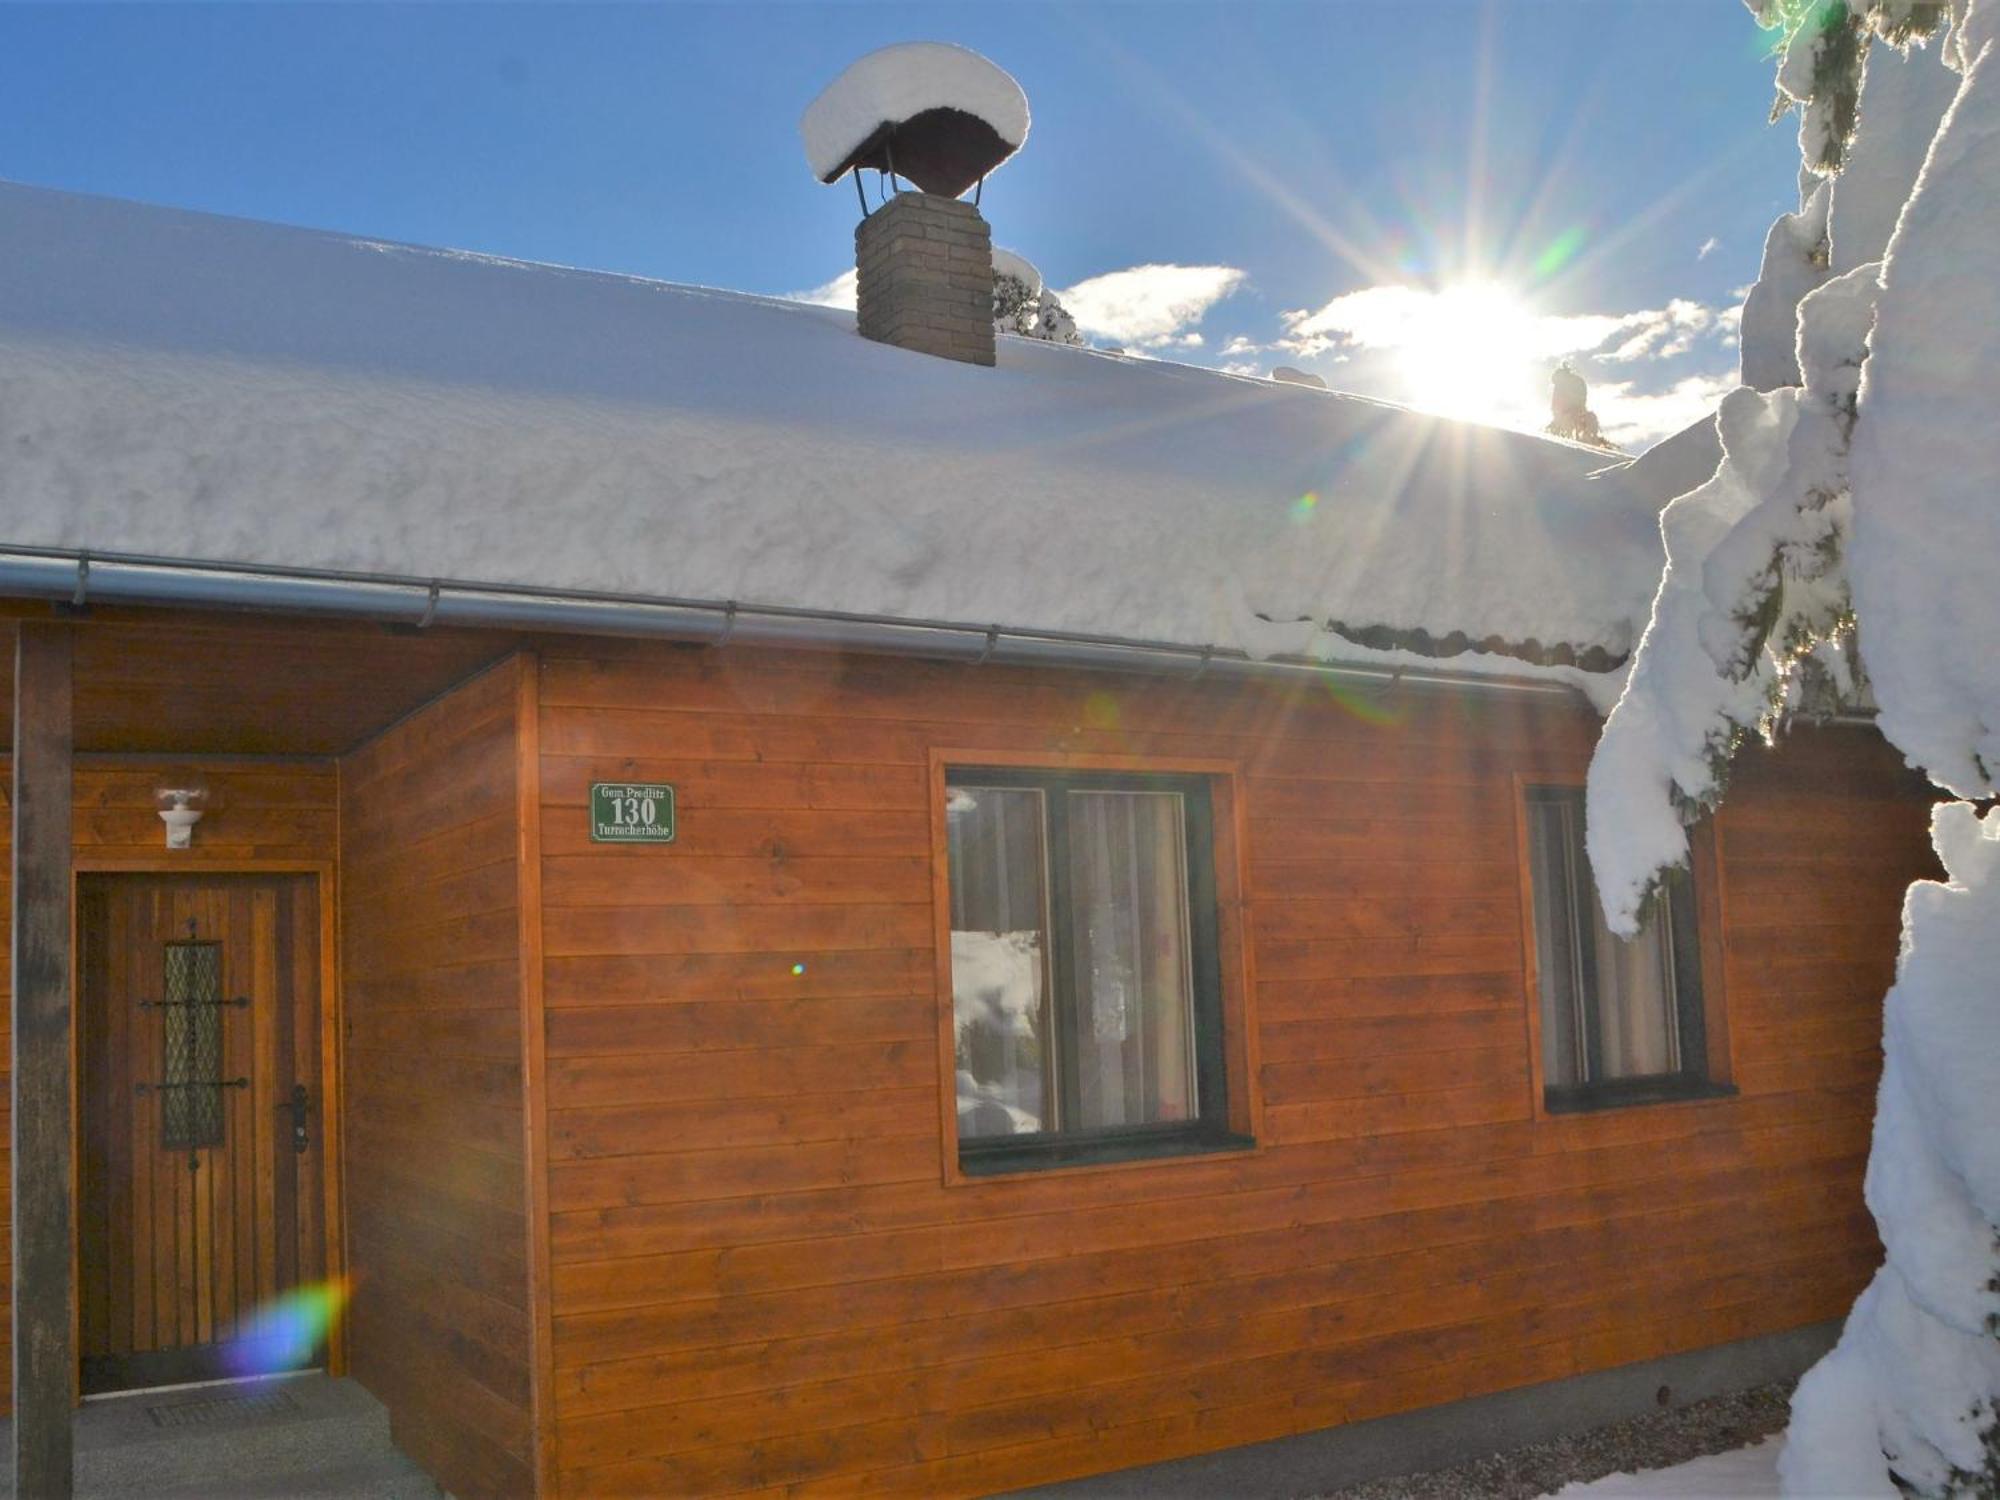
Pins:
x,y
299,1104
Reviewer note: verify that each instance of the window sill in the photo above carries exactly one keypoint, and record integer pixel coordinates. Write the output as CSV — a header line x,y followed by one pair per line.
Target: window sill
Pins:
x,y
1008,1157
1629,1093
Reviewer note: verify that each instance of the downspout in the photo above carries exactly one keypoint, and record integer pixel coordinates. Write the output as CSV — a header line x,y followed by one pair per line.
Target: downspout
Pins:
x,y
83,577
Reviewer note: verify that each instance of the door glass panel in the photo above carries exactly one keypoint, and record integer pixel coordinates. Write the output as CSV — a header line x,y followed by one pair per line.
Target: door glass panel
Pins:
x,y
1134,988
191,1068
999,960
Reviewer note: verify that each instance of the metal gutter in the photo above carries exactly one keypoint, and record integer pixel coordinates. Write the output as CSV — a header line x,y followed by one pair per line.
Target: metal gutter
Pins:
x,y
82,577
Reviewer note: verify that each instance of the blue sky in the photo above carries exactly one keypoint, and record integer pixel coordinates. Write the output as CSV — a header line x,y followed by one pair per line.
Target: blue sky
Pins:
x,y
1299,179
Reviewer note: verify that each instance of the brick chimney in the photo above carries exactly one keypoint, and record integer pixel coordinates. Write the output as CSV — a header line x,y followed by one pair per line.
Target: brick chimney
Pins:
x,y
924,265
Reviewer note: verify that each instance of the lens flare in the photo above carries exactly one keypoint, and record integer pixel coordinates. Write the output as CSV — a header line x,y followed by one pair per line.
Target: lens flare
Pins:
x,y
797,970
1560,252
1304,506
287,1331
1100,711
1369,710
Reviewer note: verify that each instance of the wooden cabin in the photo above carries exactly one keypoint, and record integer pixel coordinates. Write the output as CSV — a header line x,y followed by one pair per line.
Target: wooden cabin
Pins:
x,y
662,1044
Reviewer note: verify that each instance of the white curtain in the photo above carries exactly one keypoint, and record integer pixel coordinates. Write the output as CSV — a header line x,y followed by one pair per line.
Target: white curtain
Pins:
x,y
1128,878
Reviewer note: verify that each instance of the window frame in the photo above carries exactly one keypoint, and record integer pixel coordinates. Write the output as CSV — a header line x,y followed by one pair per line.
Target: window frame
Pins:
x,y
1707,1066
1222,1036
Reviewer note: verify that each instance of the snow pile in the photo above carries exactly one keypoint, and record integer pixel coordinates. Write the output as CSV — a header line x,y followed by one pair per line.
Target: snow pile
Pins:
x,y
1744,1474
1871,496
1288,375
191,387
897,83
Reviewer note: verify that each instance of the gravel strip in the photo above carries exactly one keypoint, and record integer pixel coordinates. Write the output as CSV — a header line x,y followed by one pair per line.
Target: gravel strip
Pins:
x,y
1651,1442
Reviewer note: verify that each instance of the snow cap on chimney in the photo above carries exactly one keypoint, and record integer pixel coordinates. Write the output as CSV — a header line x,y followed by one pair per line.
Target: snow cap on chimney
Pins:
x,y
941,116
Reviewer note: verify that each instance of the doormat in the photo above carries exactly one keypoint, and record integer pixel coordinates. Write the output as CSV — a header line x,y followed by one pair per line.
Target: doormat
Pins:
x,y
223,1409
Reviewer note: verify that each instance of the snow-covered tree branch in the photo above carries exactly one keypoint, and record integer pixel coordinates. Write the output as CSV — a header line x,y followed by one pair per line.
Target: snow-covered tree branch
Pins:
x,y
1023,305
1856,515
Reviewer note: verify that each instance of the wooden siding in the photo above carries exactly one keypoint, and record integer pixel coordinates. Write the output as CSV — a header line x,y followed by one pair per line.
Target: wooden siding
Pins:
x,y
187,682
437,1214
762,1279
262,810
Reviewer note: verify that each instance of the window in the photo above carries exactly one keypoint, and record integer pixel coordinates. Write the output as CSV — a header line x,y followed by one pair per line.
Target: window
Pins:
x,y
1622,1019
1086,989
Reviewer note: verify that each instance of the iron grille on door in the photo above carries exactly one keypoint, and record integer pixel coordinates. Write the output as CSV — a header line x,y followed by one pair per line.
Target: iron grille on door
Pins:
x,y
191,1081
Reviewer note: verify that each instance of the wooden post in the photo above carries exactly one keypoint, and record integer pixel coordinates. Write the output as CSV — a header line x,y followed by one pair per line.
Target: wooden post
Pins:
x,y
44,1026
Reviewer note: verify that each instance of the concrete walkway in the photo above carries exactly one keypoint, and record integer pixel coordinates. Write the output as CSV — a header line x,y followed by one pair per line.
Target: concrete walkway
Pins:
x,y
309,1436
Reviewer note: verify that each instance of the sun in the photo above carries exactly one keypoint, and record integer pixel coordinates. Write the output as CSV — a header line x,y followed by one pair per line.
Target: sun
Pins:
x,y
1471,351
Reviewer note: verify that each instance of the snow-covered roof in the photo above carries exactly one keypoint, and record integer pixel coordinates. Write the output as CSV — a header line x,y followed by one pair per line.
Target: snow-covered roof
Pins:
x,y
192,387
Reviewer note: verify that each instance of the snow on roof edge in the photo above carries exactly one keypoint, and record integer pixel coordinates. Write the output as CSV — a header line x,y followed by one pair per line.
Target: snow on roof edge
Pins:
x,y
774,457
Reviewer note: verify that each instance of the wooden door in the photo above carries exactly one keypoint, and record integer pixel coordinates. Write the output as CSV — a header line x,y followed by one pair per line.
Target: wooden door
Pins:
x,y
200,1225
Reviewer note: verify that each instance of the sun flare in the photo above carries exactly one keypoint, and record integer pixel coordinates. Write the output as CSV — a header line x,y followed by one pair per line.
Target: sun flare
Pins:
x,y
1471,351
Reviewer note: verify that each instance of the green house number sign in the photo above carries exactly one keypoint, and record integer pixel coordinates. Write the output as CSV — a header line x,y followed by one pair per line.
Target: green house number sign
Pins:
x,y
631,812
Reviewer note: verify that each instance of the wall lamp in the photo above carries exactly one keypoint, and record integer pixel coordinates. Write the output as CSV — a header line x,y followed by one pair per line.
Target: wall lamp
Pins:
x,y
180,810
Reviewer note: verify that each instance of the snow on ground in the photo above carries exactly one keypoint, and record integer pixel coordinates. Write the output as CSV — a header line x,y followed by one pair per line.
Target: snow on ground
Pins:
x,y
894,83
201,388
1746,1474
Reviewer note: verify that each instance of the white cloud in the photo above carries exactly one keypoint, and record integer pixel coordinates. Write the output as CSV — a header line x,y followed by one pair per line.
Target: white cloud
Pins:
x,y
839,292
1149,305
1664,333
1639,419
1707,248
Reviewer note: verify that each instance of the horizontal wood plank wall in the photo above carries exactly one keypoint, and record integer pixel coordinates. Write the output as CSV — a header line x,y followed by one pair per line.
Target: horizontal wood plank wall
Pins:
x,y
761,1281
431,980
257,810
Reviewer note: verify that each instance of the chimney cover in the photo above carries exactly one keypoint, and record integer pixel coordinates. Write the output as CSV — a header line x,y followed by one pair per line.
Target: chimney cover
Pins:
x,y
939,115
